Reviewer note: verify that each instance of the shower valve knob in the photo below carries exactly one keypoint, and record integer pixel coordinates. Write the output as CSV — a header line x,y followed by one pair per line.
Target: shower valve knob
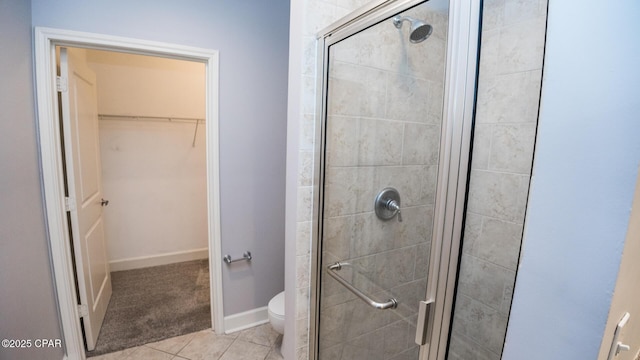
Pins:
x,y
387,204
393,206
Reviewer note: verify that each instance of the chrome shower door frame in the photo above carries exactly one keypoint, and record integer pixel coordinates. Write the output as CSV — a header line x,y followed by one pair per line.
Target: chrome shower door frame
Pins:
x,y
455,148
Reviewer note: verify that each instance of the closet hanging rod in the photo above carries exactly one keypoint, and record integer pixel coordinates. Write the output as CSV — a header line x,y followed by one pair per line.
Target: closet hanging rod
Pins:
x,y
147,118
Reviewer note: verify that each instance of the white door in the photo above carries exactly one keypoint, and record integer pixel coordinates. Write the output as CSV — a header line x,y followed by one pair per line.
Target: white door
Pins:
x,y
82,159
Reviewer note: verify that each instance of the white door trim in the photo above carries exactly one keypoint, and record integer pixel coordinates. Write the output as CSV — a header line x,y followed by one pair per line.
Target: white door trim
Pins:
x,y
46,39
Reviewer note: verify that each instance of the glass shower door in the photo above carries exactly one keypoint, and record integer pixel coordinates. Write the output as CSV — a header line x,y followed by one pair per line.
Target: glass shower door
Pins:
x,y
382,152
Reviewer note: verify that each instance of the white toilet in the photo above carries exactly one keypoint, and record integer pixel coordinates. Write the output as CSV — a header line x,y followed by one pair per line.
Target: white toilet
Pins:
x,y
276,312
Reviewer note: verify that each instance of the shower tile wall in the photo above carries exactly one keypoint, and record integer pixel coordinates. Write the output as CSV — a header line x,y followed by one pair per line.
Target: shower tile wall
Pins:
x,y
318,15
508,95
385,109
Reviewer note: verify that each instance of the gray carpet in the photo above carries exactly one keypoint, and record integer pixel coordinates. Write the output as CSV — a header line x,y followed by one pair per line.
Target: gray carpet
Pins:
x,y
155,303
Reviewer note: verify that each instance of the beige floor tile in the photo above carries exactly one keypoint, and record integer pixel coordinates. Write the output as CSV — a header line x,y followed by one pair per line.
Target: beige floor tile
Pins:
x,y
206,345
145,353
244,350
261,335
172,345
274,354
118,355
257,343
110,356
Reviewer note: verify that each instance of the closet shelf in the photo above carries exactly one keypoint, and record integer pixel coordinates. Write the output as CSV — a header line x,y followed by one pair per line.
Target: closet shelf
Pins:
x,y
155,118
147,118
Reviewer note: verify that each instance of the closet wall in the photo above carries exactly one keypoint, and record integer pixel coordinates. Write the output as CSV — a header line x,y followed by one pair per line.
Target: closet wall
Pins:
x,y
152,173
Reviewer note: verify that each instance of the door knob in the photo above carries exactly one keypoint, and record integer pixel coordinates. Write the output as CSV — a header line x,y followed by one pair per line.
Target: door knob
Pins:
x,y
104,202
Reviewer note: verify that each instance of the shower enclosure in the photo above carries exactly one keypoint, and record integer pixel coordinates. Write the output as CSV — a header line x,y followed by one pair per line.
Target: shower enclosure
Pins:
x,y
395,107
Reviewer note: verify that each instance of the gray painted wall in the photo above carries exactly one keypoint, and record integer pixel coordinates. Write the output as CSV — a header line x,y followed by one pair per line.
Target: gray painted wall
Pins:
x,y
27,300
586,162
252,37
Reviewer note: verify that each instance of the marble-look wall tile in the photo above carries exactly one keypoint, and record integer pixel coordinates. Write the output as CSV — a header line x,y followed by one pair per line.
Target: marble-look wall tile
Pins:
x,y
318,15
305,195
521,45
305,164
407,98
379,142
348,190
309,67
517,11
435,102
498,195
421,144
507,297
511,98
307,133
376,48
416,227
463,348
416,184
489,51
303,271
369,235
302,338
499,13
356,91
396,338
341,143
332,353
408,296
308,97
484,281
481,323
493,240
492,15
303,238
394,267
337,236
302,302
302,353
510,75
481,145
512,148
423,252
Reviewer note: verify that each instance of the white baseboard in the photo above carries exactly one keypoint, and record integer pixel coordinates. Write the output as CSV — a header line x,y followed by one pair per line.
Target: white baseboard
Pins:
x,y
155,260
245,320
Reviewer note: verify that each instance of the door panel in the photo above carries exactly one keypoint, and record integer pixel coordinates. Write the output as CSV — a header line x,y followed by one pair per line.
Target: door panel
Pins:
x,y
98,264
82,159
383,128
85,108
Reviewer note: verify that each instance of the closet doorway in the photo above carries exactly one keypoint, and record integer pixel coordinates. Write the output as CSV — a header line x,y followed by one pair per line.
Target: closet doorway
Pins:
x,y
135,155
124,190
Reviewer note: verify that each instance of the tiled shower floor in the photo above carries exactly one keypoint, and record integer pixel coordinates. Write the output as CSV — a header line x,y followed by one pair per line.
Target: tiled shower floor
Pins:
x,y
257,343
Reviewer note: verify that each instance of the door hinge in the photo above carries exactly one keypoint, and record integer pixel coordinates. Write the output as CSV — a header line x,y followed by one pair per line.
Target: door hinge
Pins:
x,y
69,204
423,323
61,84
83,310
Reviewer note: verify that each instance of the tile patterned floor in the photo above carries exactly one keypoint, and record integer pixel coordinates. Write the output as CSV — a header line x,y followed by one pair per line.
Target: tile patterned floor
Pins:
x,y
257,343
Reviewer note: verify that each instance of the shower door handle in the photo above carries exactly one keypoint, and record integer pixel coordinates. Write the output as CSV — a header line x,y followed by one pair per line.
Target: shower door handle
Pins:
x,y
422,325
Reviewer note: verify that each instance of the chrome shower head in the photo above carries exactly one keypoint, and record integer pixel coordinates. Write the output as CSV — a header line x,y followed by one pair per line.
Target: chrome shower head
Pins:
x,y
420,30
